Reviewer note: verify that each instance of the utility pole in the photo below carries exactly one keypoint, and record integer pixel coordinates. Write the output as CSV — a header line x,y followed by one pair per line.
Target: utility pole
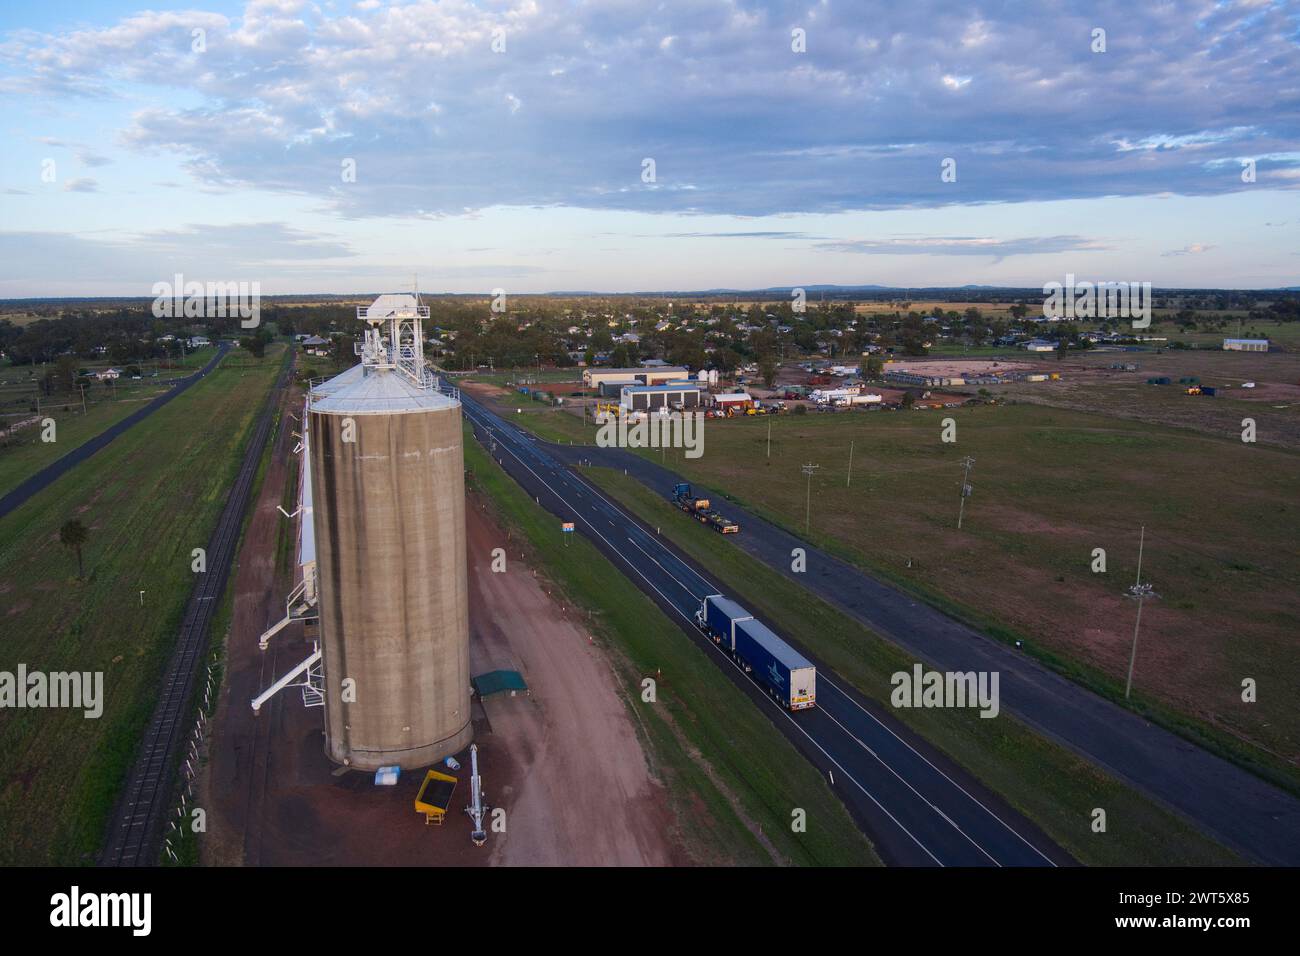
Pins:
x,y
965,489
769,437
1141,592
807,519
849,480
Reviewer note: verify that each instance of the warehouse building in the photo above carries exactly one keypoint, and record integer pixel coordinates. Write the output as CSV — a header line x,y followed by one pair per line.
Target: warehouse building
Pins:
x,y
638,398
735,401
593,377
613,387
1245,345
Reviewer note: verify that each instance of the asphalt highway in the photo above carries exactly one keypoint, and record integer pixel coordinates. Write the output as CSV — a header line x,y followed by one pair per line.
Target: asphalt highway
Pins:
x,y
83,451
1242,811
916,806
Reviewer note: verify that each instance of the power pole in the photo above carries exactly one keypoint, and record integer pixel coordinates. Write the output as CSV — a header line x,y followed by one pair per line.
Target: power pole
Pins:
x,y
807,518
769,438
1141,592
965,489
849,480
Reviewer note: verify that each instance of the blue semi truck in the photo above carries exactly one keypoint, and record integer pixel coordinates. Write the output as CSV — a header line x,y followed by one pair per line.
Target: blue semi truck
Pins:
x,y
788,675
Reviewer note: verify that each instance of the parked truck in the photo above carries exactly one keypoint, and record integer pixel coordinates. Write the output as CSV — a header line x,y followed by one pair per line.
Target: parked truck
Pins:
x,y
683,498
699,508
786,674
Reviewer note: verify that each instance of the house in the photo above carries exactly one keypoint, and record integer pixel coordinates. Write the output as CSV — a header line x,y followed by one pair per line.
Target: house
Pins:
x,y
198,342
1039,345
108,374
315,345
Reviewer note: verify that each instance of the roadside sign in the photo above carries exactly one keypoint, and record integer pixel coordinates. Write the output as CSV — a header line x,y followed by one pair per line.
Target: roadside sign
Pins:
x,y
567,526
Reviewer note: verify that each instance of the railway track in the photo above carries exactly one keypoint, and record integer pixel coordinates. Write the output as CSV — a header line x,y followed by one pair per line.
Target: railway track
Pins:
x,y
134,836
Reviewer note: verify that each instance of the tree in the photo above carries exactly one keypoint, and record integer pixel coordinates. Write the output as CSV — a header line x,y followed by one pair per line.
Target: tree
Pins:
x,y
73,535
767,368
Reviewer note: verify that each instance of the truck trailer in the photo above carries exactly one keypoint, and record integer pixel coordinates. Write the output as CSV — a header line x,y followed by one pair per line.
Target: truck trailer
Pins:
x,y
718,617
688,502
787,674
700,510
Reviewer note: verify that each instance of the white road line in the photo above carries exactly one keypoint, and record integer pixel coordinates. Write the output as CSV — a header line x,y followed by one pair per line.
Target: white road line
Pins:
x,y
780,710
714,589
905,783
937,770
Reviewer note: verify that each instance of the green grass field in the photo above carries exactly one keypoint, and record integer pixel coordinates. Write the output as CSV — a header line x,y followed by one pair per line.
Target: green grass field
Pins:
x,y
1048,783
24,452
27,454
1050,486
700,720
147,499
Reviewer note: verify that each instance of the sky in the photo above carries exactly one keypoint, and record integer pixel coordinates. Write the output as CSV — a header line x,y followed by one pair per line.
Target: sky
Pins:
x,y
626,145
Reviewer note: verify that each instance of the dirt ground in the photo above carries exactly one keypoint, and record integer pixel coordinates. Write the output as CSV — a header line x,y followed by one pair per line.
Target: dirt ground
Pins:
x,y
586,795
958,367
564,761
1089,384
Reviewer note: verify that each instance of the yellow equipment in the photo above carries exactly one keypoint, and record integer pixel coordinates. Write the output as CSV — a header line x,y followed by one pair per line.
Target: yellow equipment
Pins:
x,y
434,797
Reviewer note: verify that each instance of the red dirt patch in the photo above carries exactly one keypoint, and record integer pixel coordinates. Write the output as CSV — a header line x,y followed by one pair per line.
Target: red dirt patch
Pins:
x,y
564,762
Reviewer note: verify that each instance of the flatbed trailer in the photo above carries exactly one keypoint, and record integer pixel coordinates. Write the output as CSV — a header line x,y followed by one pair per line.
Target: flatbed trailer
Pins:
x,y
699,509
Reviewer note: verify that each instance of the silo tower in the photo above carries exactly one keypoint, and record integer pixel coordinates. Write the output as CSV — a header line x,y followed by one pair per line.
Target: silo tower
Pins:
x,y
386,459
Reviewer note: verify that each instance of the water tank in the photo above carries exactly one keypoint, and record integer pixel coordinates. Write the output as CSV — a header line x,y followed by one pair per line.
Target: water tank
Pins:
x,y
389,517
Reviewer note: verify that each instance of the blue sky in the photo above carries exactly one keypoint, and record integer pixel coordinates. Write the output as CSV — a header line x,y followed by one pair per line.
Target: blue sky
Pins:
x,y
503,144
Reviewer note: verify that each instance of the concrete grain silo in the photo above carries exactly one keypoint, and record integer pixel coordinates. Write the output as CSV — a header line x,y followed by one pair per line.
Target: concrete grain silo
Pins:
x,y
386,460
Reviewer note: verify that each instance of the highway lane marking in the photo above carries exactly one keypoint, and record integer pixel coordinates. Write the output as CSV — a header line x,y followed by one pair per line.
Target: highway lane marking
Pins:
x,y
937,770
779,709
905,783
713,589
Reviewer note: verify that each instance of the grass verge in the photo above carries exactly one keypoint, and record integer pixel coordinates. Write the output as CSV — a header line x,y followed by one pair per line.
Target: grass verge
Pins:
x,y
1049,784
723,762
148,499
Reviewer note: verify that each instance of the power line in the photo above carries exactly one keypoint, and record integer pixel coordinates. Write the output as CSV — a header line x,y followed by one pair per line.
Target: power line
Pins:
x,y
807,520
966,489
1141,592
